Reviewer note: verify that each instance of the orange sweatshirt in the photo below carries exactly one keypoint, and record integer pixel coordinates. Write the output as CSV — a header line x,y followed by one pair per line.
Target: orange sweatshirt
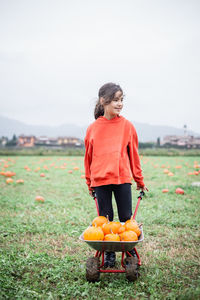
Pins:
x,y
111,153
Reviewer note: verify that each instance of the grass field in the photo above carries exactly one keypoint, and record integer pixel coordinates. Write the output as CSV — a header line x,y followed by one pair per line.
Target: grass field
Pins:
x,y
41,256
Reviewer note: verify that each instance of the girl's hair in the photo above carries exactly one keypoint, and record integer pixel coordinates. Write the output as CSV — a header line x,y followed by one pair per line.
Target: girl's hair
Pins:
x,y
107,91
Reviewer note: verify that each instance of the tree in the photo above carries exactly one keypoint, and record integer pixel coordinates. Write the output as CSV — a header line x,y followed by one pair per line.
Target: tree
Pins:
x,y
158,142
12,142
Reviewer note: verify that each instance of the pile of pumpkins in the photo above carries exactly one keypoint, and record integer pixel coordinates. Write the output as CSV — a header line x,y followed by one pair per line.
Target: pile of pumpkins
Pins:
x,y
104,230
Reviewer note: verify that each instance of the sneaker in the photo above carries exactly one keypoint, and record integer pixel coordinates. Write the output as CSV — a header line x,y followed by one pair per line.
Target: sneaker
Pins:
x,y
112,259
109,259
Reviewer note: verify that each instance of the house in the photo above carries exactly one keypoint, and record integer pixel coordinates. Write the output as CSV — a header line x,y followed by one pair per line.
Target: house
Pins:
x,y
185,141
3,141
46,141
70,141
31,141
26,141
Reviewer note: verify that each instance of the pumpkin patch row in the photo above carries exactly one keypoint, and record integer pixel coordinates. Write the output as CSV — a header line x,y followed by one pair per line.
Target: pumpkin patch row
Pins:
x,y
104,230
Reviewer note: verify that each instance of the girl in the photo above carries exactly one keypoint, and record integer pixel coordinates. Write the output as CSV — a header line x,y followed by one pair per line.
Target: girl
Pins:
x,y
111,158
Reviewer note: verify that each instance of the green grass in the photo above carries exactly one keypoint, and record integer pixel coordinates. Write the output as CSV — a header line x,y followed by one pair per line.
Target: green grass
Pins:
x,y
72,151
41,256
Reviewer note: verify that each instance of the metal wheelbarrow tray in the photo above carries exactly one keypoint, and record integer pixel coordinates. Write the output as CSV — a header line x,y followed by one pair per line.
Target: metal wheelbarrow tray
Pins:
x,y
120,246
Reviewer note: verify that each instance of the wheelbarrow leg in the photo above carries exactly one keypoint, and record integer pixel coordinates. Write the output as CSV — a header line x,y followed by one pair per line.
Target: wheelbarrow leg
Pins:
x,y
137,254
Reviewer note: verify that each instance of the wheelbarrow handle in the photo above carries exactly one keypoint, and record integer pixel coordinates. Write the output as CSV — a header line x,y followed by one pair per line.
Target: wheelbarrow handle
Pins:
x,y
96,202
138,203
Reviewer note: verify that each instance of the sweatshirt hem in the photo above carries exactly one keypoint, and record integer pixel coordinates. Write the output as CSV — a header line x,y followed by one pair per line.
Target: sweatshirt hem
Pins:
x,y
95,183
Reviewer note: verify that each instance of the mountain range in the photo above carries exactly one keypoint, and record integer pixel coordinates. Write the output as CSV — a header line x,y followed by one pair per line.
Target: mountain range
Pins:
x,y
146,132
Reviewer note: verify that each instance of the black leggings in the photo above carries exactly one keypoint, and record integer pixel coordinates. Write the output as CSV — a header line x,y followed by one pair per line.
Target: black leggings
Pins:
x,y
123,198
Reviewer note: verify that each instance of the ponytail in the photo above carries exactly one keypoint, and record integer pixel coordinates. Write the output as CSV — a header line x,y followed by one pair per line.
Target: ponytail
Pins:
x,y
99,110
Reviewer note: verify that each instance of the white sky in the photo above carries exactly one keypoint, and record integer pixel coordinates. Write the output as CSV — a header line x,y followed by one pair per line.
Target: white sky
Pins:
x,y
56,54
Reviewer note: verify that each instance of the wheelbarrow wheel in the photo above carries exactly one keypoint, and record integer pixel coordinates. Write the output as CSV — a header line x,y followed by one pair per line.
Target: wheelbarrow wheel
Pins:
x,y
131,266
92,269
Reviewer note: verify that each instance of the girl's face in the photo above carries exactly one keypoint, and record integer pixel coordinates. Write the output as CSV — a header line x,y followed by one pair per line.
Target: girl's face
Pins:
x,y
114,108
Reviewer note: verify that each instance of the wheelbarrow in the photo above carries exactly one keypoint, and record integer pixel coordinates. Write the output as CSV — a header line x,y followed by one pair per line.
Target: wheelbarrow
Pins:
x,y
130,265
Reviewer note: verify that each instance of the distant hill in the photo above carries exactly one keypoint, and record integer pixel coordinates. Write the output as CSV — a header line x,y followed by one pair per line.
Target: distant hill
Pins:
x,y
146,132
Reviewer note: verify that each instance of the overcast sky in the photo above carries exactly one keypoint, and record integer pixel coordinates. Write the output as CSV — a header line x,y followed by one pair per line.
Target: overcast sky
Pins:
x,y
56,54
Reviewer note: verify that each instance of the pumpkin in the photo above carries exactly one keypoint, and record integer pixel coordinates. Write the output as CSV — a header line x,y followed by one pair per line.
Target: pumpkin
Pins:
x,y
76,168
9,174
99,221
42,175
128,236
121,229
133,226
165,190
130,220
190,173
111,227
179,191
9,180
39,199
93,234
20,181
170,174
112,237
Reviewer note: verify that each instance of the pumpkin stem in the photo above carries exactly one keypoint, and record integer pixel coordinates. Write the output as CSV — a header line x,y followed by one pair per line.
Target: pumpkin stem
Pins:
x,y
107,219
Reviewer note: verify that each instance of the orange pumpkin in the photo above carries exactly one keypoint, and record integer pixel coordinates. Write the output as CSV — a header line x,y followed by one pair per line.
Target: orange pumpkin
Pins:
x,y
99,221
128,236
9,180
179,191
76,168
112,237
39,199
111,227
165,190
121,229
133,226
9,174
170,174
20,181
93,234
130,220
